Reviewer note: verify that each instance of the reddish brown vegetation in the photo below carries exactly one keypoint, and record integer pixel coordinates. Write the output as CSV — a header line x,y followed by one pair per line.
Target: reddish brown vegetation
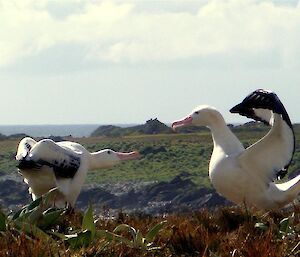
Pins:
x,y
224,232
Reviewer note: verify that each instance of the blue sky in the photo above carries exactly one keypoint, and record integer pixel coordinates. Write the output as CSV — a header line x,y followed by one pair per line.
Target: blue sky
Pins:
x,y
80,61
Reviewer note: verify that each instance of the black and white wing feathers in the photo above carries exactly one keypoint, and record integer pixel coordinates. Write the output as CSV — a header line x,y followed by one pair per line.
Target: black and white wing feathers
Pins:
x,y
24,147
64,162
260,105
272,155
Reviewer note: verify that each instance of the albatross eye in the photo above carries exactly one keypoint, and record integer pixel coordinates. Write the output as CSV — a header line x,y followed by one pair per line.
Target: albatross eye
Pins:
x,y
197,112
109,152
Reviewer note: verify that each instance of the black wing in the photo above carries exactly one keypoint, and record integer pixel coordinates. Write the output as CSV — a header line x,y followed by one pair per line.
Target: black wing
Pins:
x,y
260,104
278,146
65,163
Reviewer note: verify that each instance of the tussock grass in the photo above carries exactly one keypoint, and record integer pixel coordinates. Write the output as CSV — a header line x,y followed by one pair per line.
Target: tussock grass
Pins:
x,y
228,231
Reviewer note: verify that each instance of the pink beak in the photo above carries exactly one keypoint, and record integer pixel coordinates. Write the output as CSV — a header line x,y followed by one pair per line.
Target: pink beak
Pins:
x,y
181,123
129,156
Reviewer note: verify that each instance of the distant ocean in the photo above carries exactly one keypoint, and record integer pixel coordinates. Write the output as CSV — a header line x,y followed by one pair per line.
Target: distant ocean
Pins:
x,y
79,130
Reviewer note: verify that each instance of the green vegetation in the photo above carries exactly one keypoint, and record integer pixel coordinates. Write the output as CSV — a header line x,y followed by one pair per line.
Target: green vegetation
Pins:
x,y
164,156
35,230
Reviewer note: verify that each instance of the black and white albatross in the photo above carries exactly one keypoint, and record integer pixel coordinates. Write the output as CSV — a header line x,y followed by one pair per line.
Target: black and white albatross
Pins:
x,y
46,164
249,175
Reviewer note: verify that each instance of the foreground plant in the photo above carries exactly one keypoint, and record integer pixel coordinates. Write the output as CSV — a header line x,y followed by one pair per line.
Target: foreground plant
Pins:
x,y
83,236
286,227
35,218
138,241
36,230
87,234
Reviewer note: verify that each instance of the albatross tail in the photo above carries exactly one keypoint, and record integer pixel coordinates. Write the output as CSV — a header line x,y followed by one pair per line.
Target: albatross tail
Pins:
x,y
283,193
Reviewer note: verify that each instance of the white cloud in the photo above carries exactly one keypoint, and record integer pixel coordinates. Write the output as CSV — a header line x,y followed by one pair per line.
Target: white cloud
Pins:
x,y
118,31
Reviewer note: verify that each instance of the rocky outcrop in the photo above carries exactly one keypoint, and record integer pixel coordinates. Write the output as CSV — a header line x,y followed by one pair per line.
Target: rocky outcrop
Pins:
x,y
2,137
13,136
177,195
152,126
13,194
109,131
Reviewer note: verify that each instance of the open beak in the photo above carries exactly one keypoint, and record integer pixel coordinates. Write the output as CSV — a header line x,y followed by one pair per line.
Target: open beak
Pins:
x,y
129,156
181,123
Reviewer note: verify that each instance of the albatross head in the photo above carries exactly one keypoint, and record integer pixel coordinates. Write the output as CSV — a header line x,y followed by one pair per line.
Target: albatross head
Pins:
x,y
203,115
107,158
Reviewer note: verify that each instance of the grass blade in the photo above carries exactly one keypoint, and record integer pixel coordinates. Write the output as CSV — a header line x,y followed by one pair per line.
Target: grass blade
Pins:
x,y
154,231
139,241
31,229
125,227
88,221
82,239
50,218
2,221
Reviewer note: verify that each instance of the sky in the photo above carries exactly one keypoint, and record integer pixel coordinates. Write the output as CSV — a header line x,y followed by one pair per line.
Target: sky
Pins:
x,y
116,62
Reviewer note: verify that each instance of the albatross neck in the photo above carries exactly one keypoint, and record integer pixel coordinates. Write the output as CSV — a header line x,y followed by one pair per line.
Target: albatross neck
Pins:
x,y
223,137
97,161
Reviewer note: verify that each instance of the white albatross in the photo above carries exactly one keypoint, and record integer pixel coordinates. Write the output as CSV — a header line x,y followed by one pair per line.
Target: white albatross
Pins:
x,y
47,164
248,175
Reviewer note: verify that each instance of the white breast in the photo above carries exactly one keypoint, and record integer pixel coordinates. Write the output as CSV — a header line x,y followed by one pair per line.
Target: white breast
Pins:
x,y
40,182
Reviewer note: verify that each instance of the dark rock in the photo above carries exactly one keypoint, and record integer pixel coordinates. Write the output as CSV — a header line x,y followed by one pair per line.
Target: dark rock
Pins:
x,y
56,138
95,196
108,130
19,135
130,200
177,195
13,193
2,137
152,126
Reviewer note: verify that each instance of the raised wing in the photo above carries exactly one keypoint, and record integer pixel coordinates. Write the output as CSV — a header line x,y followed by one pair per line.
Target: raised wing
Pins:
x,y
64,162
260,105
24,147
271,155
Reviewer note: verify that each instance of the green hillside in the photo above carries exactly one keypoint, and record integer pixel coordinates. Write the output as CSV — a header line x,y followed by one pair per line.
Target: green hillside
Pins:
x,y
164,156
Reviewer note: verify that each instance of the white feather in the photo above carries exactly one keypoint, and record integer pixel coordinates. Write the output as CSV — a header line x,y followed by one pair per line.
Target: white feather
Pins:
x,y
247,175
42,178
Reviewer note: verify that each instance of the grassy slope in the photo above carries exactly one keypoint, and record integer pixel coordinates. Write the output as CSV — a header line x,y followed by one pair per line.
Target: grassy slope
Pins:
x,y
184,153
